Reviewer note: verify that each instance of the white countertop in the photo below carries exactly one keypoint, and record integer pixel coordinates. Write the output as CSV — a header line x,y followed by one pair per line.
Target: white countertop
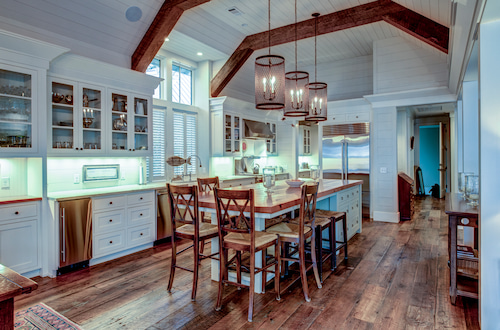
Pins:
x,y
84,193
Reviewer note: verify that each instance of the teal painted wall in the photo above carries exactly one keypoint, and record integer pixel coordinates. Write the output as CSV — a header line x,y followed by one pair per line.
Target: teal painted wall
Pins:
x,y
429,155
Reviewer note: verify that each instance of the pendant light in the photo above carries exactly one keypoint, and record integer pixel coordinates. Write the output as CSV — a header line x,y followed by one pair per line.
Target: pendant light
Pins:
x,y
317,91
296,96
270,78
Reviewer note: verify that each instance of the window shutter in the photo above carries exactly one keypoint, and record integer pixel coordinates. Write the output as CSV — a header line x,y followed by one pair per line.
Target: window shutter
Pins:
x,y
185,140
179,140
158,143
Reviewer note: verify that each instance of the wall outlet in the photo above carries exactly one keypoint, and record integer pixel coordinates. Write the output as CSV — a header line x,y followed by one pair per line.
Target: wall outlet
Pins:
x,y
76,178
122,174
5,183
383,170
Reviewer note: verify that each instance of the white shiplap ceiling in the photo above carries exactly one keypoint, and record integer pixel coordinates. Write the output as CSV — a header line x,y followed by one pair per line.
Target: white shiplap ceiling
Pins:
x,y
99,28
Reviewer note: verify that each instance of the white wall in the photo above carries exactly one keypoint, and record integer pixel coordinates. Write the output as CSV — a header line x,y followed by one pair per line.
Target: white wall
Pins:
x,y
470,126
489,213
400,65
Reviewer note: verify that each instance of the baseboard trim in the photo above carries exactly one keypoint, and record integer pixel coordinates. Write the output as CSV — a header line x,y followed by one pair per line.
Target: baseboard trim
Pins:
x,y
386,216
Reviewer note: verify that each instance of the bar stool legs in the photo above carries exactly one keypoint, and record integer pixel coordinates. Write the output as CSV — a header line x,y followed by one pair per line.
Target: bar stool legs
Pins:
x,y
343,244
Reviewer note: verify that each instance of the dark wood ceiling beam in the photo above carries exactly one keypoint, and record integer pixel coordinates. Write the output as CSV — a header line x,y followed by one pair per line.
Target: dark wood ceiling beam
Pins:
x,y
391,12
160,28
421,28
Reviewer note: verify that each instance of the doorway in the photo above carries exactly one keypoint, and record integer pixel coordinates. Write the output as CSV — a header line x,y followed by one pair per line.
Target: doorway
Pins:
x,y
429,155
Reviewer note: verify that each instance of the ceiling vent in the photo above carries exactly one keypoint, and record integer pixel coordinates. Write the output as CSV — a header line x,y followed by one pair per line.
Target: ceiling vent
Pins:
x,y
431,108
235,11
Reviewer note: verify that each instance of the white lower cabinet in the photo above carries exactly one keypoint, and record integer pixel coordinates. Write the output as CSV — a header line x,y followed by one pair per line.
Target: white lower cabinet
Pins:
x,y
19,243
122,222
349,201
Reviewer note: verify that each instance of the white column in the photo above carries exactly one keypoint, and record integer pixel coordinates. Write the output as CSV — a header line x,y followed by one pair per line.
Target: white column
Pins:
x,y
489,160
470,127
384,170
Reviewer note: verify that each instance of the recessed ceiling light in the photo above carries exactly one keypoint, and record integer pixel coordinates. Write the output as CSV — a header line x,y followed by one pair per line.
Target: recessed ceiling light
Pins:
x,y
166,39
199,54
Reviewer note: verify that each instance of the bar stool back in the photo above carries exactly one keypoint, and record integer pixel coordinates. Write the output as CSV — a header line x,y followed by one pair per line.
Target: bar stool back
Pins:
x,y
237,232
186,225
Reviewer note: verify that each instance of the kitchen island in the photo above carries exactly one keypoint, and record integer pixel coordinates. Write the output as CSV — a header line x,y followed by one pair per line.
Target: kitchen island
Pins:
x,y
333,195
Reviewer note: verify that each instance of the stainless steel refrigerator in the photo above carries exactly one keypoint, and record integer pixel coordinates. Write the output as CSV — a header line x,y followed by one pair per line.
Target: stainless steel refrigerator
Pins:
x,y
75,226
346,155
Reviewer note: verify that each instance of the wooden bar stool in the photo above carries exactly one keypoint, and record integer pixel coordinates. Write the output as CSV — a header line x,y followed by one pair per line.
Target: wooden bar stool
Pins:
x,y
206,185
186,225
328,220
237,233
297,233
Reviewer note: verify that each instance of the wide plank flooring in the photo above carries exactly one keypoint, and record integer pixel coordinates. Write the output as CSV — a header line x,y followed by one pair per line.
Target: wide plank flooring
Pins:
x,y
396,278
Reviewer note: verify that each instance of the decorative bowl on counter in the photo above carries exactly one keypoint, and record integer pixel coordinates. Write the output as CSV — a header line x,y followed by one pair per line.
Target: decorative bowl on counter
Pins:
x,y
294,183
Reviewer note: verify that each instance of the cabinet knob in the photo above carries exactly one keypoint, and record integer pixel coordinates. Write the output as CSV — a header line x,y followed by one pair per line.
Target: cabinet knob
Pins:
x,y
133,149
110,242
129,149
17,212
110,203
110,220
142,234
81,148
140,199
140,215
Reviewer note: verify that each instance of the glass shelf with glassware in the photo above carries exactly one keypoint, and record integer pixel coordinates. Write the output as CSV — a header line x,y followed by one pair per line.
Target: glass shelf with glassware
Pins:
x,y
15,109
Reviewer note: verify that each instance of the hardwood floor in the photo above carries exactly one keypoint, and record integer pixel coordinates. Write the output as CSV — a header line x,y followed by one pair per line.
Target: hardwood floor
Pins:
x,y
396,278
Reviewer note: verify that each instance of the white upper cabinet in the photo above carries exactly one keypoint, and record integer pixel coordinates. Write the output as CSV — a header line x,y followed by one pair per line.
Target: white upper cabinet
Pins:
x,y
18,110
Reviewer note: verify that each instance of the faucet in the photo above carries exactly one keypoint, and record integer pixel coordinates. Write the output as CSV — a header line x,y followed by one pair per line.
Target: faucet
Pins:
x,y
199,159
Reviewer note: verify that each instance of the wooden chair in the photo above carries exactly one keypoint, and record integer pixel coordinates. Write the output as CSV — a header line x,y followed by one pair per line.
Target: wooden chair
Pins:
x,y
186,225
238,233
328,220
206,185
297,233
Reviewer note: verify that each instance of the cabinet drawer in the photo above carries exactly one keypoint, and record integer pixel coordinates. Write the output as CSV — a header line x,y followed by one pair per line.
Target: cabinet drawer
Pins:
x,y
140,214
140,198
140,235
109,221
107,203
19,247
18,211
358,117
109,243
304,174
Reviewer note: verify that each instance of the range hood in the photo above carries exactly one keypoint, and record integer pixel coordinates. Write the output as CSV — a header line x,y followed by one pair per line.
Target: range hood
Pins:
x,y
257,130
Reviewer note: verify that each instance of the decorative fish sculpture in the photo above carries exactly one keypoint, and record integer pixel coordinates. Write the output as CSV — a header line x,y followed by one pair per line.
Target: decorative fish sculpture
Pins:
x,y
178,161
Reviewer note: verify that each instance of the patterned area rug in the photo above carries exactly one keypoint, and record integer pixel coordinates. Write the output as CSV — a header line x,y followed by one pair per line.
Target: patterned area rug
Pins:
x,y
42,317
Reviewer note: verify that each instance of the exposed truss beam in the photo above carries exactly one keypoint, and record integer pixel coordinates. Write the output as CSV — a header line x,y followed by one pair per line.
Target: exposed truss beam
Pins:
x,y
160,28
391,12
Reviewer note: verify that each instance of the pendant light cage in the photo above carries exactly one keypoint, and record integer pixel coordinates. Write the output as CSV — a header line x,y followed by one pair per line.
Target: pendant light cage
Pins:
x,y
296,96
270,82
270,77
317,91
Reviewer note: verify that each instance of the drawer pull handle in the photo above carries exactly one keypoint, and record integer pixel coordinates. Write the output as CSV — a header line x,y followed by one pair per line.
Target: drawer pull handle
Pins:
x,y
142,234
140,199
110,203
17,212
110,242
140,215
110,220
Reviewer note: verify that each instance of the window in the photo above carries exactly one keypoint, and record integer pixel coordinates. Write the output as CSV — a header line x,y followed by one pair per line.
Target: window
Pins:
x,y
158,143
154,69
181,84
185,140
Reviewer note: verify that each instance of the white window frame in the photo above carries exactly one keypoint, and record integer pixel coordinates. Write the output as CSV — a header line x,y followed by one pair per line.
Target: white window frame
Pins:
x,y
182,66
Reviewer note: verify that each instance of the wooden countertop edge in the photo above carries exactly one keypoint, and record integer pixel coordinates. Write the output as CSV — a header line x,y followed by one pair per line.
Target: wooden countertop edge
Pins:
x,y
18,199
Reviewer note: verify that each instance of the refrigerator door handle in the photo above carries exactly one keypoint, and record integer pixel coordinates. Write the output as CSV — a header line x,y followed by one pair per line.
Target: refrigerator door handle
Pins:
x,y
63,218
346,160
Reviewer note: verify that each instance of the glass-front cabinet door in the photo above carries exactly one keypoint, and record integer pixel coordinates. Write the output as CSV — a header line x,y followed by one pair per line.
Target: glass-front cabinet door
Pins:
x,y
141,124
64,121
232,139
16,111
91,115
119,122
271,143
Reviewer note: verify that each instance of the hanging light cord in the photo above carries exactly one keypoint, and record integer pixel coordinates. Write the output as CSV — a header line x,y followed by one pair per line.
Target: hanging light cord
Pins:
x,y
295,35
315,51
269,23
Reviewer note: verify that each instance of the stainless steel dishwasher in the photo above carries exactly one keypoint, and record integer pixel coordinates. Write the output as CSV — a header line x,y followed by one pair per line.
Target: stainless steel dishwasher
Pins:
x,y
75,233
